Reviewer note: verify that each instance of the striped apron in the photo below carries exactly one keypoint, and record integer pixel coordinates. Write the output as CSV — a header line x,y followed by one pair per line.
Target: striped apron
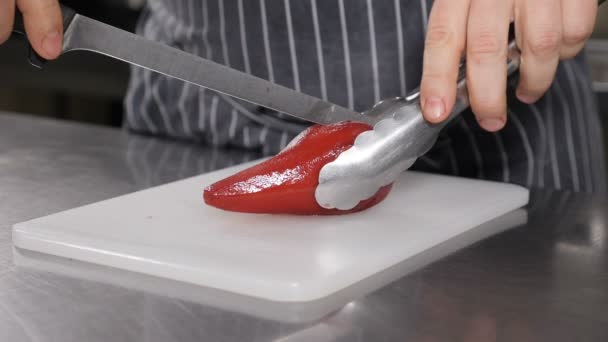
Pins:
x,y
355,53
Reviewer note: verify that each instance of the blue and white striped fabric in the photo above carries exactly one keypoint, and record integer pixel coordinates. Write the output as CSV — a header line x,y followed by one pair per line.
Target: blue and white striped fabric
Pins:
x,y
354,53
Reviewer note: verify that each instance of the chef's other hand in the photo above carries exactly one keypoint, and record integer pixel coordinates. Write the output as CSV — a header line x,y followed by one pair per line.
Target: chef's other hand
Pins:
x,y
546,30
43,23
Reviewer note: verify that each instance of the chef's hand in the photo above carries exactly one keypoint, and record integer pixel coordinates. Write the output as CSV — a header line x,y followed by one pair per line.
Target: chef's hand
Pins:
x,y
43,23
547,31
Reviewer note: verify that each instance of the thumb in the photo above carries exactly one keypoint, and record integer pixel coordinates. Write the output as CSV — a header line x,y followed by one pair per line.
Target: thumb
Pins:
x,y
44,26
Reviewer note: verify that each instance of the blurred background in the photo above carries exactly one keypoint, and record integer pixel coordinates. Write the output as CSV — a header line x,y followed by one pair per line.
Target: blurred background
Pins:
x,y
89,88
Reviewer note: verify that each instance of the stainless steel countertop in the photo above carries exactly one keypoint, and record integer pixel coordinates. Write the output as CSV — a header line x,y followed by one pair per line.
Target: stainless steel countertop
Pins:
x,y
545,280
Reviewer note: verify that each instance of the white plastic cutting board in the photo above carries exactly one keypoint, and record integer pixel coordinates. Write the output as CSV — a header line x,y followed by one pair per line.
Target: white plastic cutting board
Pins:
x,y
169,232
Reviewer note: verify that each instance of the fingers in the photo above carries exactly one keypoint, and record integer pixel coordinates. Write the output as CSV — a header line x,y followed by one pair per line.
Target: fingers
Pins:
x,y
487,42
546,31
540,25
445,43
576,28
481,327
7,16
44,26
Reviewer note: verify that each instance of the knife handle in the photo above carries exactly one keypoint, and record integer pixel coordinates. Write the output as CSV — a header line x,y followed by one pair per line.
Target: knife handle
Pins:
x,y
19,31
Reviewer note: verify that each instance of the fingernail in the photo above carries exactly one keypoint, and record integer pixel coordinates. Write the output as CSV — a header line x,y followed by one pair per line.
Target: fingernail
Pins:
x,y
492,124
52,43
525,98
434,108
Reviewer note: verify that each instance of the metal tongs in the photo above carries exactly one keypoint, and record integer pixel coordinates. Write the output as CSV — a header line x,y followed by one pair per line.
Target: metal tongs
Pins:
x,y
400,136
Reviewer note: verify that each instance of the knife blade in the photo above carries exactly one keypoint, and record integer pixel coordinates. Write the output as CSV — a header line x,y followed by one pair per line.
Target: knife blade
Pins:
x,y
83,33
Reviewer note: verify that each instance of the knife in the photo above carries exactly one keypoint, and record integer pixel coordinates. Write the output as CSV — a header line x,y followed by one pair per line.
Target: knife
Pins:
x,y
83,33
